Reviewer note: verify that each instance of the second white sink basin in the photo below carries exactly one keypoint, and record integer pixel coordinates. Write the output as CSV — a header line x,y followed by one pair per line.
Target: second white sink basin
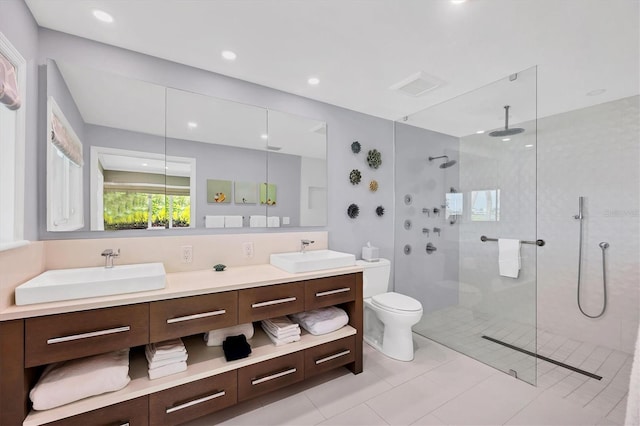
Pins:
x,y
80,283
313,260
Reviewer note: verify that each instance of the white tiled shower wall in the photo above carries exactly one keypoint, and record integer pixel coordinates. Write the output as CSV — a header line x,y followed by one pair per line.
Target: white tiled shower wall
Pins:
x,y
592,152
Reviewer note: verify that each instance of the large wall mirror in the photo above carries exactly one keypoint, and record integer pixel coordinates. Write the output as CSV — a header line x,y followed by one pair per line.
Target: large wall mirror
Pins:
x,y
124,154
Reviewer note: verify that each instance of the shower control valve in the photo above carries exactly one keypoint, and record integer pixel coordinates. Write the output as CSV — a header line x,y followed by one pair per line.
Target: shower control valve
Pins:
x,y
436,211
426,211
437,231
425,231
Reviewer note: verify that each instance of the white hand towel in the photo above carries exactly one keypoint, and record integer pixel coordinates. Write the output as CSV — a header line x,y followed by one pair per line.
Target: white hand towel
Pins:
x,y
69,381
166,347
280,341
258,221
216,337
281,334
161,357
273,222
509,257
281,326
233,221
214,221
174,368
323,320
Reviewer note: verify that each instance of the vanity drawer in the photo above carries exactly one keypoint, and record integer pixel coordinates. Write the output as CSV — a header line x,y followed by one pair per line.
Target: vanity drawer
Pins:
x,y
187,402
329,291
62,337
132,413
258,379
329,356
169,319
258,303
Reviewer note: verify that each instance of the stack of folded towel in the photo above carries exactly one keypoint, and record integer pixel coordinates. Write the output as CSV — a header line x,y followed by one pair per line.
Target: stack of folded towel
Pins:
x,y
216,337
165,358
281,330
323,320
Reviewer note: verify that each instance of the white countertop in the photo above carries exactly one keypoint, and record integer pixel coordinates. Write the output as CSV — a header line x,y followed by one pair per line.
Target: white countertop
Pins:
x,y
179,284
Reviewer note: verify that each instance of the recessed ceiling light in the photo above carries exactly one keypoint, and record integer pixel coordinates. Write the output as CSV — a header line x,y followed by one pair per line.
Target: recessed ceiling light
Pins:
x,y
458,1
313,81
145,164
528,145
103,16
264,136
506,139
596,92
480,132
192,124
229,55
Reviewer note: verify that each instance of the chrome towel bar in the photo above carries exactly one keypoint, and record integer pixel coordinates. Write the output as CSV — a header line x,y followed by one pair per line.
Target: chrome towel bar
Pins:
x,y
539,243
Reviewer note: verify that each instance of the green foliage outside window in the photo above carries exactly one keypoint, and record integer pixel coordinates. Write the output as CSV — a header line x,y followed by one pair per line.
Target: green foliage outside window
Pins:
x,y
124,210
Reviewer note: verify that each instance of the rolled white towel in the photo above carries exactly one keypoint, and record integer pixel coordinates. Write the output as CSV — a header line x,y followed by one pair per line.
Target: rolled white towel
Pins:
x,y
323,320
176,367
69,381
281,341
216,337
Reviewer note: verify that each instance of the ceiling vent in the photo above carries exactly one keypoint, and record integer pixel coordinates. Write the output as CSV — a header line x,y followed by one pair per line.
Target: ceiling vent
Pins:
x,y
417,84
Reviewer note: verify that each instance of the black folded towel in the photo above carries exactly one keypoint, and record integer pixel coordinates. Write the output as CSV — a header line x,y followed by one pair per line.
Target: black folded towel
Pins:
x,y
236,347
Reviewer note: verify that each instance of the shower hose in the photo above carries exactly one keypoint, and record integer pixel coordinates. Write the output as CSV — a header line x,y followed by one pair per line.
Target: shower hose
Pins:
x,y
603,246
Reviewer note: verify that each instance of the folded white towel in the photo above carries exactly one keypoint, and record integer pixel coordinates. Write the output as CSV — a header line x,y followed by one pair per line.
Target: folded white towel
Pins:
x,y
161,357
258,221
69,381
214,221
281,325
233,221
155,363
166,347
281,341
167,370
281,334
273,221
509,257
323,320
216,337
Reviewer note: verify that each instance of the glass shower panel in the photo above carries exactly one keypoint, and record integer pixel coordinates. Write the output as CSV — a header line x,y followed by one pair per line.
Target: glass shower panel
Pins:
x,y
465,169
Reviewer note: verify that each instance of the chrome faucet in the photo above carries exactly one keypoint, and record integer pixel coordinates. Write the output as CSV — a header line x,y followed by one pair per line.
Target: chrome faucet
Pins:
x,y
109,254
304,244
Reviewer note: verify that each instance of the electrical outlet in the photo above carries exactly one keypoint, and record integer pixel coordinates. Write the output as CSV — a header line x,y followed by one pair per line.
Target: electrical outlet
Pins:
x,y
285,220
247,250
187,254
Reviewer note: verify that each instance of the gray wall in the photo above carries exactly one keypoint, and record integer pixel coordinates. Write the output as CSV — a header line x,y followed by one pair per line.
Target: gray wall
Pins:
x,y
430,278
343,127
19,27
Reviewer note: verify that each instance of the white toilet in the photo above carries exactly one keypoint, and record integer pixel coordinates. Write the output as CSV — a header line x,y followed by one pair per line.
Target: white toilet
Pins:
x,y
388,316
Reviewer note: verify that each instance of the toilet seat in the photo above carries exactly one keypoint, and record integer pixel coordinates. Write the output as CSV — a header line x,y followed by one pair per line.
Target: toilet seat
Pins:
x,y
396,302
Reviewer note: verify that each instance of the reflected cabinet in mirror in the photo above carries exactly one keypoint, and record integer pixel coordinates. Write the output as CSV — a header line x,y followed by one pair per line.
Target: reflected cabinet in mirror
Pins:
x,y
124,154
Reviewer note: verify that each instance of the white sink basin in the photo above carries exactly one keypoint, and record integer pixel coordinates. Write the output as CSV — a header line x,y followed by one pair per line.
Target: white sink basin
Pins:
x,y
80,283
313,260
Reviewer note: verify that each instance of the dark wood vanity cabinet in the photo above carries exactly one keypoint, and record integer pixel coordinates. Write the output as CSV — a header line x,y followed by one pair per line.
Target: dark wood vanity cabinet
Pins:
x,y
27,345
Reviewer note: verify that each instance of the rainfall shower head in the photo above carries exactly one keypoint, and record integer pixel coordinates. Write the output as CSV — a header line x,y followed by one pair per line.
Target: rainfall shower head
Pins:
x,y
506,131
446,163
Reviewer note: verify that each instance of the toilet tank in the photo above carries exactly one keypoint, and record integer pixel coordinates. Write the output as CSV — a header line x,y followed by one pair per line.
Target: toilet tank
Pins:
x,y
375,277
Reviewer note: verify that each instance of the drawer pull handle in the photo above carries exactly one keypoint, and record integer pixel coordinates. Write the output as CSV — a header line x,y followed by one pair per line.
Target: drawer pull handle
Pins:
x,y
196,316
330,292
88,335
273,302
125,424
274,376
195,402
334,356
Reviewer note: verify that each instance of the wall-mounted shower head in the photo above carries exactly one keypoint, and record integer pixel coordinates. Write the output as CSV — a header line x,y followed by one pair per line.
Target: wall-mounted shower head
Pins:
x,y
506,131
446,164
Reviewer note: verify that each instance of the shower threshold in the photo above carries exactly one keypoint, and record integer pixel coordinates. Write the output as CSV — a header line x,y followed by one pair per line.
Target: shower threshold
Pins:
x,y
544,358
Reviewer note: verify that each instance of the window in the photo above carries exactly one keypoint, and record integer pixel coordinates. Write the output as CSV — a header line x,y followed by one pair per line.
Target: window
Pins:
x,y
485,205
12,142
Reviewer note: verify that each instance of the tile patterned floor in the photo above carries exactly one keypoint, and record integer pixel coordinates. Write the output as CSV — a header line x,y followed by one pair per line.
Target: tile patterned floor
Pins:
x,y
440,387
